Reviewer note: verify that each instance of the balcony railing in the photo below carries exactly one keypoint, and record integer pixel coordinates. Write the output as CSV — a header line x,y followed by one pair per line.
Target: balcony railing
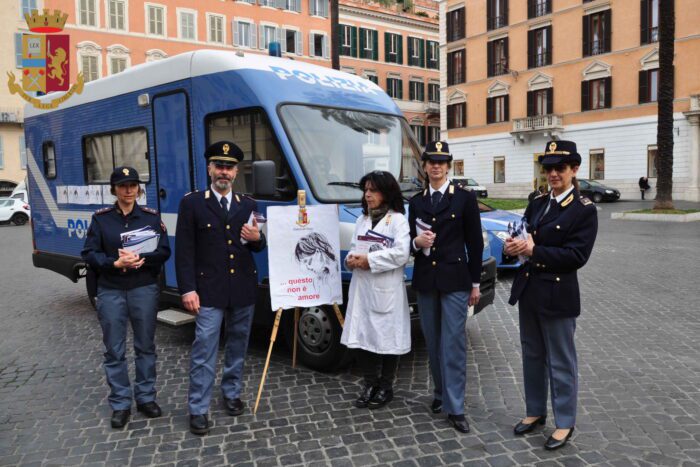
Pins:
x,y
432,107
537,123
496,22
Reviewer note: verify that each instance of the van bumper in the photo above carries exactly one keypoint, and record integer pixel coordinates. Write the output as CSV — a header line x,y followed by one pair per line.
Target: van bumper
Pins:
x,y
68,266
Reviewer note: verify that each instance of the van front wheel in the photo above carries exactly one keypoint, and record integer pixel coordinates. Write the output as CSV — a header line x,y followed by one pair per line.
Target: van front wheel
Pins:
x,y
319,346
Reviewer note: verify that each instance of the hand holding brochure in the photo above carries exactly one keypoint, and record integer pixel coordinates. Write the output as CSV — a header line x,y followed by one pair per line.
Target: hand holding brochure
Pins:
x,y
143,240
259,218
518,231
422,227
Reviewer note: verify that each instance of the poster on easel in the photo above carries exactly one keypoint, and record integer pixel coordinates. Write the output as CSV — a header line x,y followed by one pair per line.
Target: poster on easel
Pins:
x,y
304,252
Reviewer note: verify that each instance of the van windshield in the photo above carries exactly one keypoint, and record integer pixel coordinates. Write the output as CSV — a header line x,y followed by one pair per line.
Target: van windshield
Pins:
x,y
336,147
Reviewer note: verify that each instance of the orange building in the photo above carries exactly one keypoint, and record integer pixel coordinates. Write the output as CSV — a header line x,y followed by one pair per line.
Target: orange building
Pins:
x,y
518,73
399,51
108,36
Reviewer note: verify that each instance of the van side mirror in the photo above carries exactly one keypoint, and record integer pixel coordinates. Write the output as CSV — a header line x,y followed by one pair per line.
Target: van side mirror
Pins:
x,y
264,178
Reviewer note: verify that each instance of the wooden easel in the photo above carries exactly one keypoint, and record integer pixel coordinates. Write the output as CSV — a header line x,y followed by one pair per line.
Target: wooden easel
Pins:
x,y
301,195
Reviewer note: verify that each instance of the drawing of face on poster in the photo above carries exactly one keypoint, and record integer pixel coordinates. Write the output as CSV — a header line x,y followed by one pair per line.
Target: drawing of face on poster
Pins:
x,y
315,254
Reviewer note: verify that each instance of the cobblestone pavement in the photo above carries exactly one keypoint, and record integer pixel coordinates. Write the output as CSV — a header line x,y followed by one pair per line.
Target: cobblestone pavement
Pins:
x,y
639,357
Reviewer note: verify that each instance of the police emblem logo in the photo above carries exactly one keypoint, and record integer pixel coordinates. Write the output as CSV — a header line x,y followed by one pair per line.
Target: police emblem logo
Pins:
x,y
45,60
226,148
552,146
438,146
125,172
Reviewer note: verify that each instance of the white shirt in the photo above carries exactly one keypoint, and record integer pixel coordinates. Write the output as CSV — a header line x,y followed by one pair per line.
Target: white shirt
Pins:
x,y
558,199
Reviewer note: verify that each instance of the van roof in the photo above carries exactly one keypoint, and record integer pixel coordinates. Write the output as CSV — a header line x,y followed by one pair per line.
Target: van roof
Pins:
x,y
204,62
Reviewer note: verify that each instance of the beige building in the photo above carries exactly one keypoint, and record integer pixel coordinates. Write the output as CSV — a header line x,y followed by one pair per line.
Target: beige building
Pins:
x,y
13,160
399,51
518,73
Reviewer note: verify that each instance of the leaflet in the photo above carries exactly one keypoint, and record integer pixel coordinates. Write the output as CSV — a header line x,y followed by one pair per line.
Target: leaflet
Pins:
x,y
518,231
143,240
422,227
365,244
259,218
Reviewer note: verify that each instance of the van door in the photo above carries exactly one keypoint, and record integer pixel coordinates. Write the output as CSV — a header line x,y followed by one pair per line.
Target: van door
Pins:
x,y
173,162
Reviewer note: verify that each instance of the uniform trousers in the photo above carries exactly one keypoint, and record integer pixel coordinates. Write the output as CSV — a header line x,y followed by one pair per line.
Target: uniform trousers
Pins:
x,y
443,318
549,355
204,351
115,308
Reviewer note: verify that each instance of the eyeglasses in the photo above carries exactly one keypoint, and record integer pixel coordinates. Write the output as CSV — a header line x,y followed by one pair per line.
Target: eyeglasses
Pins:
x,y
559,168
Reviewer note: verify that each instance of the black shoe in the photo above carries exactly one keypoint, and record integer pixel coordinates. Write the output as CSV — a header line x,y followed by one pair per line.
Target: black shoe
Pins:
x,y
120,418
436,406
523,428
234,406
150,409
553,443
459,422
365,396
380,398
199,424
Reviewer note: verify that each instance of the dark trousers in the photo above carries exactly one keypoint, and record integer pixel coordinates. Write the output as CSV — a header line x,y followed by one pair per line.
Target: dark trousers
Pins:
x,y
379,369
642,190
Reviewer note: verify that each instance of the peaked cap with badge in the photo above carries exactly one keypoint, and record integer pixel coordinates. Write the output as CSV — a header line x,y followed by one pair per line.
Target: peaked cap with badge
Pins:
x,y
123,175
224,153
438,151
560,152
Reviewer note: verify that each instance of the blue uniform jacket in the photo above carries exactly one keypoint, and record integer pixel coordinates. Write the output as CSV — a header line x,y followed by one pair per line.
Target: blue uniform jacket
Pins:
x,y
209,256
454,262
564,239
104,240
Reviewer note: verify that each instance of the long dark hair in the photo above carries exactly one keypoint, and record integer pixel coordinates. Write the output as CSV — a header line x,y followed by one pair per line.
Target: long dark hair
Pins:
x,y
311,244
386,184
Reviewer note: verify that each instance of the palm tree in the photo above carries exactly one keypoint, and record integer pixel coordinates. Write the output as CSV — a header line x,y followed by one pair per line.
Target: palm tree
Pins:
x,y
664,132
335,36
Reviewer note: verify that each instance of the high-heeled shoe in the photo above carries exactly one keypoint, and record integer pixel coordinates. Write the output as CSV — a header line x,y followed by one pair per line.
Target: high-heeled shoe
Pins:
x,y
524,428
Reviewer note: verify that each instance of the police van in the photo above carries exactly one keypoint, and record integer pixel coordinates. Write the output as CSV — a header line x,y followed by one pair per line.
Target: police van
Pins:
x,y
301,127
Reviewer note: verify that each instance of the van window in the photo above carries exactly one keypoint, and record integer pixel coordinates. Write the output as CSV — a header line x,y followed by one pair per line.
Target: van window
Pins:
x,y
102,153
49,160
336,147
251,131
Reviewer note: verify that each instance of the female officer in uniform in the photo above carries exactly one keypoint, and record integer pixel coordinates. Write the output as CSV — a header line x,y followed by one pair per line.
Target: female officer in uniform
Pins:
x,y
562,229
127,290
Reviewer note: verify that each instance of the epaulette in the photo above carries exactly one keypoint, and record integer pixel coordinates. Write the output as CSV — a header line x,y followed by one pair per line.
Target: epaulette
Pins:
x,y
543,194
149,210
187,194
104,210
585,201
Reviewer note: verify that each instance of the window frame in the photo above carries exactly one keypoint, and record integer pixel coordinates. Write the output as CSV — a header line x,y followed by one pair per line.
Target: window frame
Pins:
x,y
451,123
648,32
163,20
498,160
500,66
455,24
651,162
83,145
96,13
537,8
265,119
496,19
47,161
595,153
645,86
455,77
181,24
124,19
211,17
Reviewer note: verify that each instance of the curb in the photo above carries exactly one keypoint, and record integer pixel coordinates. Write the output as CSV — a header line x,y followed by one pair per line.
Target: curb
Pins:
x,y
692,217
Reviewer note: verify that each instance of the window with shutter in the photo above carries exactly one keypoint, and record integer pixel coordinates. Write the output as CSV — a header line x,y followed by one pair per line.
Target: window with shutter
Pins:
x,y
649,27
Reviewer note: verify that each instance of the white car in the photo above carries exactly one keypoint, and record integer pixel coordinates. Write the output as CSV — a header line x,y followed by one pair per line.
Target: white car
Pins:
x,y
471,185
14,210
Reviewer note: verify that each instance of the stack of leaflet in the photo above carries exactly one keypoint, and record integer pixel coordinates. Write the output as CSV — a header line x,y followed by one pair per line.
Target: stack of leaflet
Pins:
x,y
143,240
518,231
259,219
422,226
372,241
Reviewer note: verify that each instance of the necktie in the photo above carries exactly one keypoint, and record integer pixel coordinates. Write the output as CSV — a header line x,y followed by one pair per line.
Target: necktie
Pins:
x,y
435,198
224,204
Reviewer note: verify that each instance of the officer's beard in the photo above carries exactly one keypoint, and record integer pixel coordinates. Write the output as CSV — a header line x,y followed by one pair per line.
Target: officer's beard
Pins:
x,y
223,184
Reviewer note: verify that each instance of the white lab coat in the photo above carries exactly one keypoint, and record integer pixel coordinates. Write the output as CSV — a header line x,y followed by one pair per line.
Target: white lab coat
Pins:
x,y
377,316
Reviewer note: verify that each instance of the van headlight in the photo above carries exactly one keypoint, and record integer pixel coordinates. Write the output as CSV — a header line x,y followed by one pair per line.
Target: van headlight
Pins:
x,y
486,238
502,235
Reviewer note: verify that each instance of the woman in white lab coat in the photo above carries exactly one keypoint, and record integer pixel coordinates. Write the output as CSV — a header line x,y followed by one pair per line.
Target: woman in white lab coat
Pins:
x,y
377,318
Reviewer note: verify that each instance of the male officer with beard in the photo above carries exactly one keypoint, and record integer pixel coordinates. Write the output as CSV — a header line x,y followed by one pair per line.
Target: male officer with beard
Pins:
x,y
217,276
447,244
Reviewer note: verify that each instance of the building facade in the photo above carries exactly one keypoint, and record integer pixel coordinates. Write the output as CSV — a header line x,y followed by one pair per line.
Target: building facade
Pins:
x,y
399,51
13,160
518,73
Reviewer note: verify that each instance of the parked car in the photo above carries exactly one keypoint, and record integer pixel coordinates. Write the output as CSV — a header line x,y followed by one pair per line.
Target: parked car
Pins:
x,y
495,223
471,185
597,191
14,210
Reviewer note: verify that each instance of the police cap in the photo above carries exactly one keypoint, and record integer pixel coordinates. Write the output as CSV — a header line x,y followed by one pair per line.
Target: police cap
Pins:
x,y
122,175
437,151
560,152
224,153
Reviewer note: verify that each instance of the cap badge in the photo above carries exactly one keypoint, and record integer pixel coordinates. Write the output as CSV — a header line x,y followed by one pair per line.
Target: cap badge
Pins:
x,y
125,172
226,148
438,146
552,146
